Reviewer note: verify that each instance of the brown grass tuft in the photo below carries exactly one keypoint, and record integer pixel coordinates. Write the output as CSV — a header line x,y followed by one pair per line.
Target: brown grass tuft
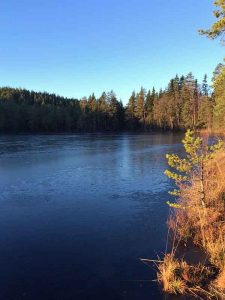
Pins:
x,y
169,275
177,277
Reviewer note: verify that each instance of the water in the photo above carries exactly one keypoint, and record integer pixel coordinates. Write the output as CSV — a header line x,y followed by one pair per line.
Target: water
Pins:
x,y
78,211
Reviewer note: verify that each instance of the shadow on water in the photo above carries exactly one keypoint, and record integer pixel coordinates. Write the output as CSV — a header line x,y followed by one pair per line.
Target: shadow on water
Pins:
x,y
77,213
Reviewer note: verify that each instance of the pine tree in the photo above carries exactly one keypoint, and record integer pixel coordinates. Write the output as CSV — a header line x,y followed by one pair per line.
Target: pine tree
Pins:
x,y
131,121
218,28
191,167
219,95
149,106
140,107
174,103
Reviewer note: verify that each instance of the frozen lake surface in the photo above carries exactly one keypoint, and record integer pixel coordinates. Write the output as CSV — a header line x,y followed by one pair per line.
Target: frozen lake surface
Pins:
x,y
78,211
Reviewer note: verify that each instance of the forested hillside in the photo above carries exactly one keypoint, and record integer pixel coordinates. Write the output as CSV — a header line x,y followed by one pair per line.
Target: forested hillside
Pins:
x,y
183,104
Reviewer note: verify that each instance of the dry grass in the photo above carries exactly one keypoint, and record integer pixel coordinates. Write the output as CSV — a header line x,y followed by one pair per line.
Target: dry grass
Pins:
x,y
220,281
177,277
205,226
169,275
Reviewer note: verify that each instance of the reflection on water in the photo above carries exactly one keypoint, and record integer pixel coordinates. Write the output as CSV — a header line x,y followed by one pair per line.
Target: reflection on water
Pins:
x,y
77,213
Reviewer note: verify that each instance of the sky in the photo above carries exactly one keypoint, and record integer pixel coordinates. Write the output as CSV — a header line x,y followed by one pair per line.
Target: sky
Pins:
x,y
76,47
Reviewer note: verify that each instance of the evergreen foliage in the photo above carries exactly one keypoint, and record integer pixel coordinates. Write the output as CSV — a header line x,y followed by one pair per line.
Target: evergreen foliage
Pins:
x,y
218,27
219,97
183,104
184,169
216,30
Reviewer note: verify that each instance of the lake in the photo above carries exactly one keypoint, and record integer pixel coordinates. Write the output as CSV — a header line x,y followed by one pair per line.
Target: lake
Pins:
x,y
77,212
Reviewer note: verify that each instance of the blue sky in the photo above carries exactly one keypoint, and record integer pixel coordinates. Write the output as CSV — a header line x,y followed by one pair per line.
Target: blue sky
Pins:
x,y
76,47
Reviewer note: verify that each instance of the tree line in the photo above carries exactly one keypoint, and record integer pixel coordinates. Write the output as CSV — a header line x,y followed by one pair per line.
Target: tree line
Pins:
x,y
183,104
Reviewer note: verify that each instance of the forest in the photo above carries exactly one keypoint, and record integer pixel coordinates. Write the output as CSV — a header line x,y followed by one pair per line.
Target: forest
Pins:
x,y
183,104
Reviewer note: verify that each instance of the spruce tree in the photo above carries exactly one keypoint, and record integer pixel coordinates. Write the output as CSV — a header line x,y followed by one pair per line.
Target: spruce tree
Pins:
x,y
205,86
